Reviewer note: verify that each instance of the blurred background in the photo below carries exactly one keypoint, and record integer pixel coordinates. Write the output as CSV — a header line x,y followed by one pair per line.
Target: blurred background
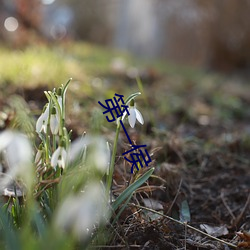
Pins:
x,y
211,34
193,60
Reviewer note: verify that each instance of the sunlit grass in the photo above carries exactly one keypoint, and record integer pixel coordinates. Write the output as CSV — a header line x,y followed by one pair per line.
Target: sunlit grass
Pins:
x,y
41,64
37,65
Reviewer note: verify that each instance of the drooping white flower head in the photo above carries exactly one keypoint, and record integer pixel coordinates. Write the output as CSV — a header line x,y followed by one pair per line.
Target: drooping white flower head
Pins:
x,y
42,122
54,121
98,152
39,154
17,152
79,214
134,114
59,157
59,97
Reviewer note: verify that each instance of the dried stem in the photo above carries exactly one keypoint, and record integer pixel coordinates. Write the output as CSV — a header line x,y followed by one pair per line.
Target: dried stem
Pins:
x,y
184,224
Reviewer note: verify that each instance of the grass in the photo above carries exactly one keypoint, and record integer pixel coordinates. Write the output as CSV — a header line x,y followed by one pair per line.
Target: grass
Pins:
x,y
35,65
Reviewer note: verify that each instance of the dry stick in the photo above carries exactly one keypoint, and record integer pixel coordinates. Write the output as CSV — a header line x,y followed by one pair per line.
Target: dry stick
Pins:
x,y
117,246
48,185
175,198
227,207
185,242
183,224
237,220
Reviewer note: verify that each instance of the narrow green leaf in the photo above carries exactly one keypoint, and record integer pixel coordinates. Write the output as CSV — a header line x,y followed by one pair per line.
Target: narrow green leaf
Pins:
x,y
185,212
39,222
47,95
129,190
65,87
122,209
10,235
53,97
140,86
132,96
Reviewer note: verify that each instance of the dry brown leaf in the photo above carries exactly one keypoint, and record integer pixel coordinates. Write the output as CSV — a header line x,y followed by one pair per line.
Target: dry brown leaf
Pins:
x,y
214,230
245,236
152,204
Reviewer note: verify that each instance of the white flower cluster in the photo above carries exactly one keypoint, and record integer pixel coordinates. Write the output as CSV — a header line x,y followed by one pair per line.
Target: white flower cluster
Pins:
x,y
50,117
64,153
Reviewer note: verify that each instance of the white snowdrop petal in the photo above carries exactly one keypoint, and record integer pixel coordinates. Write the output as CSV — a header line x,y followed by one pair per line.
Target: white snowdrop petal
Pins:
x,y
101,154
66,214
19,151
55,156
132,117
64,154
5,138
38,156
77,148
46,113
18,156
42,121
63,158
39,123
44,127
59,99
79,214
61,163
139,116
54,124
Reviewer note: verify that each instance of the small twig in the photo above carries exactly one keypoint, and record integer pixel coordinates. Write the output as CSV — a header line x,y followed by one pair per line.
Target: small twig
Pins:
x,y
183,224
185,242
175,198
118,235
57,180
117,246
239,217
227,207
149,188
48,185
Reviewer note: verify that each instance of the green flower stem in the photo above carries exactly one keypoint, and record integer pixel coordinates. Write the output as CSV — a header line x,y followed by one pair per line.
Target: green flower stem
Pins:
x,y
47,140
112,164
54,142
52,95
65,87
46,147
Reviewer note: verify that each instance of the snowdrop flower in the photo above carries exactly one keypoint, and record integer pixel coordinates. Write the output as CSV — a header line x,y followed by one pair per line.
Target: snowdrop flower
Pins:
x,y
54,121
98,152
42,122
59,157
17,152
79,214
39,154
59,97
134,114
